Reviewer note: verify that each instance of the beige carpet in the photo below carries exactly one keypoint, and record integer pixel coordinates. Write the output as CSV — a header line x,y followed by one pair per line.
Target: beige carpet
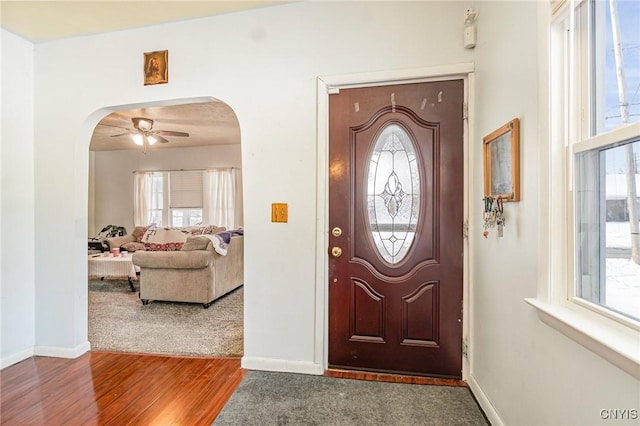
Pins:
x,y
119,322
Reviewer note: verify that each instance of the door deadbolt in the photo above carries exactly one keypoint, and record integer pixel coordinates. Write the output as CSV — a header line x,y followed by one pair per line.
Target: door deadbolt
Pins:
x,y
336,232
336,252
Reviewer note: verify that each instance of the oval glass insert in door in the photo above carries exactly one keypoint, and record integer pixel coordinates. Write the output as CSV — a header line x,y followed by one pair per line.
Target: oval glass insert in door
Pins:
x,y
393,193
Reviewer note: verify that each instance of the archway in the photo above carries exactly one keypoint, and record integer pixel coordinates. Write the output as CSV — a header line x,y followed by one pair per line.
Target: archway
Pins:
x,y
213,142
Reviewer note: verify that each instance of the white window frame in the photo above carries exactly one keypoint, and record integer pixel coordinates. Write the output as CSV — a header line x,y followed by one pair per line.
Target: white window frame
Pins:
x,y
563,62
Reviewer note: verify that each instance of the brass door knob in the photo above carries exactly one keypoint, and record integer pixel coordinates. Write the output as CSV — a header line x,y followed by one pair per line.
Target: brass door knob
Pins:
x,y
336,252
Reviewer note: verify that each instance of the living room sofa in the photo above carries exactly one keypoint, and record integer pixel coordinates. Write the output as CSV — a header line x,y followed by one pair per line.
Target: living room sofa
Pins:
x,y
196,273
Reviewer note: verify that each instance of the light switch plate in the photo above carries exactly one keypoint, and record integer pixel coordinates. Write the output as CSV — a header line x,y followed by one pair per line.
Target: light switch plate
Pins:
x,y
279,212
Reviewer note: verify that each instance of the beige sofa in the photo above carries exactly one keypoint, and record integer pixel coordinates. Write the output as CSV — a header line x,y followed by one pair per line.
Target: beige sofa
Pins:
x,y
196,273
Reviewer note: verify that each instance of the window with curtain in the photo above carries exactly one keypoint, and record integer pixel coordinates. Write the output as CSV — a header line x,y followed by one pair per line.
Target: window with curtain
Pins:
x,y
186,198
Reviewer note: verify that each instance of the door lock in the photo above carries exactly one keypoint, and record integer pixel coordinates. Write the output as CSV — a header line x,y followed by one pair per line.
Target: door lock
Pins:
x,y
336,232
336,252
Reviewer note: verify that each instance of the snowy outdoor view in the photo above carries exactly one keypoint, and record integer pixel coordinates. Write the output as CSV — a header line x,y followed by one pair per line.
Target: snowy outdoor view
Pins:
x,y
620,20
623,274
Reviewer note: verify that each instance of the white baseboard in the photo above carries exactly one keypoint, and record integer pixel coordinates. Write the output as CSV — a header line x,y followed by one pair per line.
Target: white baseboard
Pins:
x,y
15,358
487,406
60,352
281,365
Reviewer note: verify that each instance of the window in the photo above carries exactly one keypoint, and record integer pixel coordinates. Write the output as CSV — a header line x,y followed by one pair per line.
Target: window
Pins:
x,y
169,198
605,156
186,198
590,283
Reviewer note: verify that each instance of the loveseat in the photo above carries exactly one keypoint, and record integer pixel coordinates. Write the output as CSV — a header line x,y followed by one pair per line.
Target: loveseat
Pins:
x,y
197,273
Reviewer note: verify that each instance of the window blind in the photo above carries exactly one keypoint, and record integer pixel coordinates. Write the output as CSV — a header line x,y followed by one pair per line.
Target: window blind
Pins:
x,y
185,190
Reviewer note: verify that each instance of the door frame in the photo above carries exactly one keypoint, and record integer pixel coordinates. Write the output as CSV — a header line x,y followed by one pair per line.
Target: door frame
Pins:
x,y
327,85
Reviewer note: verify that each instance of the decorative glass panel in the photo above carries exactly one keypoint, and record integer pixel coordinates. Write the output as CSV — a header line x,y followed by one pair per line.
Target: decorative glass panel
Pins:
x,y
393,193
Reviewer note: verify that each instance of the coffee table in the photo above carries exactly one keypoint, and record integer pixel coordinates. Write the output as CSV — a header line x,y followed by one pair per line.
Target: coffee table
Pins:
x,y
112,267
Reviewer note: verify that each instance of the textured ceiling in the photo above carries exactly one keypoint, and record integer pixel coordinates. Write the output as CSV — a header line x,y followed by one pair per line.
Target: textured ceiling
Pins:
x,y
209,123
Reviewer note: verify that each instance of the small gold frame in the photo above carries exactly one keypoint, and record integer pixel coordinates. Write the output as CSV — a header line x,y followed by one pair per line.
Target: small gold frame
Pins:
x,y
156,67
502,162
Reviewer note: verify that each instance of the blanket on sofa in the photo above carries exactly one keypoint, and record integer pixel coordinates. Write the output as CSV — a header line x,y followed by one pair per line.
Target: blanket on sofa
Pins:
x,y
172,239
221,240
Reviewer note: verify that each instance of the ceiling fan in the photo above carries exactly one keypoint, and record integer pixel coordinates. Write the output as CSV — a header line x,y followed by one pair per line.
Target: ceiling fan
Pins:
x,y
144,135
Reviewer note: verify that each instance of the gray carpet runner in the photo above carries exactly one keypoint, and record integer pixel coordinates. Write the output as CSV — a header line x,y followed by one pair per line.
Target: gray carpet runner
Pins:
x,y
265,398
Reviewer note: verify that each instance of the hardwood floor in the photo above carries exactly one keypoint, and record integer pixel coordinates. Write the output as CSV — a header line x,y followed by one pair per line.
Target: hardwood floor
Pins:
x,y
393,378
106,388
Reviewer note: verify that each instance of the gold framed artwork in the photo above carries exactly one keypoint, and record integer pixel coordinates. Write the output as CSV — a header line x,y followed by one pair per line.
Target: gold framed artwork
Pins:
x,y
502,162
156,67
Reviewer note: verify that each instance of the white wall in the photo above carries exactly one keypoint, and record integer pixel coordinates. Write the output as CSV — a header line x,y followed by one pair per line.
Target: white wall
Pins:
x,y
531,373
113,185
264,64
17,284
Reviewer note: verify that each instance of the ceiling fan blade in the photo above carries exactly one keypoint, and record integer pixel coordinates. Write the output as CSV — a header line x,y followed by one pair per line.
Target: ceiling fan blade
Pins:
x,y
169,133
121,134
160,139
113,125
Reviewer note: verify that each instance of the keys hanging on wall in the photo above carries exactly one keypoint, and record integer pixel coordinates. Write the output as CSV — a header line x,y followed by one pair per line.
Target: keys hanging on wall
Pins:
x,y
493,215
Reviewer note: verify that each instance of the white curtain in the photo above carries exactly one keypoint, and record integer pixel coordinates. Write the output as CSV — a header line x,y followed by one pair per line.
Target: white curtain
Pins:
x,y
220,198
141,198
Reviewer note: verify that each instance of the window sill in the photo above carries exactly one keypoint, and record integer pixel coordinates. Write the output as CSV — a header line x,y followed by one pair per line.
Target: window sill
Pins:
x,y
618,346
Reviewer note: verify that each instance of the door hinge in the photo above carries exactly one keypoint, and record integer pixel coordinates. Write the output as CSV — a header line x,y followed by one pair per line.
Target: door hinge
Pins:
x,y
465,229
465,111
465,348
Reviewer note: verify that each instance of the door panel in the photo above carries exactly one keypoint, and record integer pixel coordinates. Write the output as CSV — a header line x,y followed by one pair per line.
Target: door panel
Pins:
x,y
395,190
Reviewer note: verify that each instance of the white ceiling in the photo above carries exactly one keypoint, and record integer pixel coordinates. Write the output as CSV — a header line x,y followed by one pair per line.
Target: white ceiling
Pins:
x,y
43,21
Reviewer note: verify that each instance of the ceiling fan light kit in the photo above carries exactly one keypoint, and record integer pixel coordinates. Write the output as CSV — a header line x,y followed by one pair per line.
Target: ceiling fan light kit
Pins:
x,y
139,139
143,135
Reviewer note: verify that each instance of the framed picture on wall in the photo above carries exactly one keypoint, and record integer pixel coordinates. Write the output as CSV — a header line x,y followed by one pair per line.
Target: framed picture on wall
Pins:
x,y
502,162
156,67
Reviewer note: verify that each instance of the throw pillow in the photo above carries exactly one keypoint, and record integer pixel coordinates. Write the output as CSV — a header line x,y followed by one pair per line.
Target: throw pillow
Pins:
x,y
164,239
212,229
132,247
139,232
195,243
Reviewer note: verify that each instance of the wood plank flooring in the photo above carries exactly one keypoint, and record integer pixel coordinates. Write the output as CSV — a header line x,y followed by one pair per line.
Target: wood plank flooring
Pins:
x,y
393,378
107,388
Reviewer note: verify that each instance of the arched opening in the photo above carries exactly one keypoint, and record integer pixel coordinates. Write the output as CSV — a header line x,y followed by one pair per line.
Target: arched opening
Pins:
x,y
178,143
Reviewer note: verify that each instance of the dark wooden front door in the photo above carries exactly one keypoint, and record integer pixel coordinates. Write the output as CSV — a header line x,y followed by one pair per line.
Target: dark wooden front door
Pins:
x,y
396,195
